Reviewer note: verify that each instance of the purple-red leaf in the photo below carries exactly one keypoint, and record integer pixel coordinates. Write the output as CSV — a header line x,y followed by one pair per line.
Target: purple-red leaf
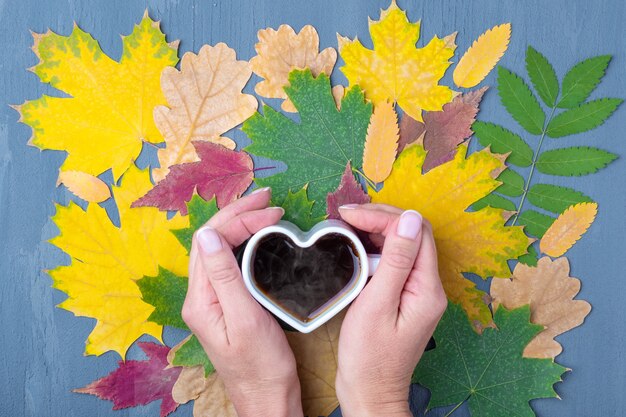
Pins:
x,y
348,192
410,131
221,172
136,383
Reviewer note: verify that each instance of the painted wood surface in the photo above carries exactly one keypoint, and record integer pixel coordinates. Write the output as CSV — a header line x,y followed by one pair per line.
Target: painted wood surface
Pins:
x,y
41,356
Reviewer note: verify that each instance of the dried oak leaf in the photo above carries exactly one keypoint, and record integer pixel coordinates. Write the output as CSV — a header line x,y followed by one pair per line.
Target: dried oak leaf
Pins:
x,y
209,394
550,291
283,50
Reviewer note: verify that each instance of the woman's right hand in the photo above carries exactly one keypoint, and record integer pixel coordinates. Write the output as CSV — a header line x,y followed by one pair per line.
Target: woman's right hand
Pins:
x,y
390,323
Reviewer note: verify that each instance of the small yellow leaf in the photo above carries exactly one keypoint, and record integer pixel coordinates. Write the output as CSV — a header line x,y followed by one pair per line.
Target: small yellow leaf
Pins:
x,y
381,142
550,291
568,228
482,56
281,51
204,101
86,186
208,394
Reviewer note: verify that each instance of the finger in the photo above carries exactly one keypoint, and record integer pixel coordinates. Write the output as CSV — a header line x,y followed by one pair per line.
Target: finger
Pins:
x,y
259,199
220,265
372,220
424,279
238,229
399,254
199,287
375,206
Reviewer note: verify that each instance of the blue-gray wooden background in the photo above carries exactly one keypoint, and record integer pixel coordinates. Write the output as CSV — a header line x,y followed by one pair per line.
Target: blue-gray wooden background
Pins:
x,y
41,354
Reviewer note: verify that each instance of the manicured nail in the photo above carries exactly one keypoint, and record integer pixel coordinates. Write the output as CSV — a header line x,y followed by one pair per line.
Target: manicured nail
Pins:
x,y
260,190
282,210
410,224
209,240
349,206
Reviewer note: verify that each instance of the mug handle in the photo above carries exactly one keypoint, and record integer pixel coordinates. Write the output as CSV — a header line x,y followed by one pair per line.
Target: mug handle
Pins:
x,y
372,263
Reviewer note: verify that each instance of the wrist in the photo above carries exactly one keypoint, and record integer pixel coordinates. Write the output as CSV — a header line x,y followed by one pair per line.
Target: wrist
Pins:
x,y
268,398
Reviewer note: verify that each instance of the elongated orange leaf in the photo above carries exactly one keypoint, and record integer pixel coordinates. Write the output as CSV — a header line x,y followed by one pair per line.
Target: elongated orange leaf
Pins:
x,y
482,56
88,187
568,228
381,142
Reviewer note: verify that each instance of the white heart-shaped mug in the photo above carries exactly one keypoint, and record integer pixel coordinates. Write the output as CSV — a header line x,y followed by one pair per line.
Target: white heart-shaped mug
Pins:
x,y
367,266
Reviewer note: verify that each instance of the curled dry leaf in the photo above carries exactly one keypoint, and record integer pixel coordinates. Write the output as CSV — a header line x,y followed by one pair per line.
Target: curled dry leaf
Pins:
x,y
204,101
209,394
568,228
550,291
316,356
88,187
381,142
283,50
482,56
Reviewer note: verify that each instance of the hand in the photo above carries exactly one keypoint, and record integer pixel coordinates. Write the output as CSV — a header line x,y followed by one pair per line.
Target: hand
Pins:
x,y
388,326
244,342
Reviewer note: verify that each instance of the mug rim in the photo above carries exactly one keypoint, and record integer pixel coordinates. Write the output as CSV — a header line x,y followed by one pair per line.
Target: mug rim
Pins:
x,y
305,240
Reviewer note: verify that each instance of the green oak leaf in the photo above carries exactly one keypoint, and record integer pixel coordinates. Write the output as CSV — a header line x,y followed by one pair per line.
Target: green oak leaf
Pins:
x,y
317,149
542,76
535,223
166,292
574,161
554,198
520,102
502,140
298,209
199,211
582,118
488,370
581,80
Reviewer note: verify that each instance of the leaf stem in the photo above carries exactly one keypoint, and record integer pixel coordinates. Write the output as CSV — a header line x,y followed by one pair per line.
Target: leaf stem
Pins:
x,y
455,408
532,166
369,181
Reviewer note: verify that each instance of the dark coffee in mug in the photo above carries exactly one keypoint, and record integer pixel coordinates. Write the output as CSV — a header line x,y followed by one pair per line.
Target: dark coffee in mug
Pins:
x,y
304,281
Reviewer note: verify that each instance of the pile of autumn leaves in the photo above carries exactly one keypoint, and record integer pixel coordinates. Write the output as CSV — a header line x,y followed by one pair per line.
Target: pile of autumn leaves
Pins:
x,y
131,275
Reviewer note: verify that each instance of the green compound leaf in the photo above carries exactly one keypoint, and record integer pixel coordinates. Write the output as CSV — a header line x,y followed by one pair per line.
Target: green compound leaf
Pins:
x,y
200,211
512,183
542,76
520,102
582,118
317,149
574,161
488,370
554,198
298,209
166,292
495,201
502,140
531,258
582,79
191,353
535,223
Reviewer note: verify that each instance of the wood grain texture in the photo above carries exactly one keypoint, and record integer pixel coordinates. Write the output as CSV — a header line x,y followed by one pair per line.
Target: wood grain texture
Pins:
x,y
42,346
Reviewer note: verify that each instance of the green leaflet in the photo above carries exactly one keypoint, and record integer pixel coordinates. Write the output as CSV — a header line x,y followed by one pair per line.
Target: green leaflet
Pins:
x,y
317,149
554,198
298,209
166,292
502,140
512,183
495,201
575,161
199,211
582,118
581,80
536,224
531,258
542,76
488,370
520,102
191,353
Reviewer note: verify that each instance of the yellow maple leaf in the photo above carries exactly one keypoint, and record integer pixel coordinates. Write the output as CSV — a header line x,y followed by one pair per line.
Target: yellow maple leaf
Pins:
x,y
476,242
482,56
550,291
108,115
395,70
568,228
106,260
381,142
281,51
204,101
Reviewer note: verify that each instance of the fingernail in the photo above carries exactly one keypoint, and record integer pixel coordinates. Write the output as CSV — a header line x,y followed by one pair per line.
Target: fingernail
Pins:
x,y
282,210
410,224
349,206
209,240
260,190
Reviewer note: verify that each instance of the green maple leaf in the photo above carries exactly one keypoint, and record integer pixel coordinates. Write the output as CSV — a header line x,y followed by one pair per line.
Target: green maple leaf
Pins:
x,y
317,149
200,211
488,370
299,209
